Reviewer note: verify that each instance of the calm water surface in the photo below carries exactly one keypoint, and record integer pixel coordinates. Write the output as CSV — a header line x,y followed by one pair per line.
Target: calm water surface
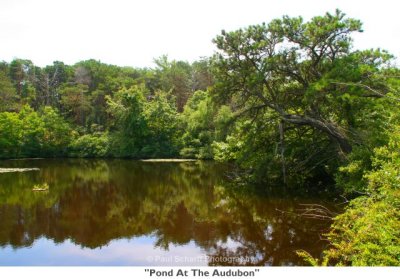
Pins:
x,y
123,212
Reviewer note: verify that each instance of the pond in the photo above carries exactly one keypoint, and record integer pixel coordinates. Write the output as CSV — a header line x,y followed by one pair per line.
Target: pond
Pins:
x,y
126,212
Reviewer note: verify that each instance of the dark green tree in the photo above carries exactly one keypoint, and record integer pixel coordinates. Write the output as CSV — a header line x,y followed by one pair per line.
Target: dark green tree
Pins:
x,y
164,127
130,126
8,97
175,77
303,80
301,71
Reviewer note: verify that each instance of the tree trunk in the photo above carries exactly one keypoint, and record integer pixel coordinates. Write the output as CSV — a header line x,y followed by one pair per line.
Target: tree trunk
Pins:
x,y
332,130
282,145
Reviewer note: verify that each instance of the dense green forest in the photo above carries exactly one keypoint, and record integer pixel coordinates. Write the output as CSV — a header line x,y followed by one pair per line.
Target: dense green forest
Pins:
x,y
288,102
92,109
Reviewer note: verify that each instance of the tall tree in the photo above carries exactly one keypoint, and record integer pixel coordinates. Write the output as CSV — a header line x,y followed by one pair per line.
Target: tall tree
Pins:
x,y
130,124
8,96
175,77
76,102
202,76
302,72
48,82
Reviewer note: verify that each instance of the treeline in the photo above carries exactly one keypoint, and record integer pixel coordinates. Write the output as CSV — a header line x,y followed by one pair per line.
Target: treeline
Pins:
x,y
92,109
289,102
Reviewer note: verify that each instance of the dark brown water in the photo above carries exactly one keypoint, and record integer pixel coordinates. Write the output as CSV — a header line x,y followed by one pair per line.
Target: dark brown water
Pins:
x,y
122,212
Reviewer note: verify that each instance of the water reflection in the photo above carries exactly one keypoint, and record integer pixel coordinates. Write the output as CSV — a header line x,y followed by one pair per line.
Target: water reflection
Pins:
x,y
121,212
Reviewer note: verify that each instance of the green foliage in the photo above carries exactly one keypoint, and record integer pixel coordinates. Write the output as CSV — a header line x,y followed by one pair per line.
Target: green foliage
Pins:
x,y
144,128
310,259
131,128
305,97
203,125
223,120
10,135
136,110
91,145
174,77
57,133
378,124
164,127
76,102
32,134
8,96
368,232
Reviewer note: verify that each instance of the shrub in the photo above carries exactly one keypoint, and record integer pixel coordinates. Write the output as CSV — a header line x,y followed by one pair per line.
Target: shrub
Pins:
x,y
91,145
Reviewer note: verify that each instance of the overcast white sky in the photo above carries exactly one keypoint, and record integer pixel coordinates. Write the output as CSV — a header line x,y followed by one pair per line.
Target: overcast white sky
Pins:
x,y
133,33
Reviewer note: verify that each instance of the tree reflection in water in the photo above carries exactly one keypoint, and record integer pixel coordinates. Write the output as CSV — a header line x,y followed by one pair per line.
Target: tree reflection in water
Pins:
x,y
91,202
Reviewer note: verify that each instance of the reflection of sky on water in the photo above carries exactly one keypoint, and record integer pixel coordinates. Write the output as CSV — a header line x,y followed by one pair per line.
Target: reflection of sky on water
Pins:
x,y
138,251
